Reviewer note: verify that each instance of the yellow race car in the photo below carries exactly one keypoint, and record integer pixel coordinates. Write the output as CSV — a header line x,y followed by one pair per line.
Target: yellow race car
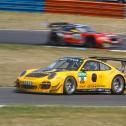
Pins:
x,y
74,74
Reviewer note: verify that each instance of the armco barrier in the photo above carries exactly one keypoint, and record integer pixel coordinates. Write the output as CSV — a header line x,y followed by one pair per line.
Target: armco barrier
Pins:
x,y
77,7
61,6
22,5
101,9
85,8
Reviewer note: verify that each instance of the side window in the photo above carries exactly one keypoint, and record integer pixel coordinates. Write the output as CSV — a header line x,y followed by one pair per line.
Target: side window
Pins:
x,y
81,29
91,66
104,67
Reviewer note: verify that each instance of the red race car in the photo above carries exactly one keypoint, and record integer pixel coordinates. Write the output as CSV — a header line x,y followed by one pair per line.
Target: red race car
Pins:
x,y
79,34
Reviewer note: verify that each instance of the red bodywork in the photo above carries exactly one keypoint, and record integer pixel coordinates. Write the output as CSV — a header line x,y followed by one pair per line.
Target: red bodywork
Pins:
x,y
100,38
79,34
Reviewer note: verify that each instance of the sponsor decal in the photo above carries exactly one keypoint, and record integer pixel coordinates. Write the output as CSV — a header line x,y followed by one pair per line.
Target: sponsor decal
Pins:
x,y
82,77
96,86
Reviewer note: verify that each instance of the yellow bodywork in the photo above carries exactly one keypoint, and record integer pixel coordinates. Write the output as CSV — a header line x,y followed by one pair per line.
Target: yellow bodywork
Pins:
x,y
104,80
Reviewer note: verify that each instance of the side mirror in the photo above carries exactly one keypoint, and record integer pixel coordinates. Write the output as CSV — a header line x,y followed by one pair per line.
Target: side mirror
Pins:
x,y
83,70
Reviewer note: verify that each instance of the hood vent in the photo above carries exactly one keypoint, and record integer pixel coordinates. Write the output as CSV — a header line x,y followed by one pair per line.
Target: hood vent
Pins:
x,y
37,74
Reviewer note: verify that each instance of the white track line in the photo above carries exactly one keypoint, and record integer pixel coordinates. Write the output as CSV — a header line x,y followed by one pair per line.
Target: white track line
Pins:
x,y
118,50
72,106
83,49
7,87
22,30
78,106
2,106
66,47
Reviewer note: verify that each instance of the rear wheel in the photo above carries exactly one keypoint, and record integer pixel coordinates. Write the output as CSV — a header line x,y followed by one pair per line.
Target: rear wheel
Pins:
x,y
61,41
56,39
118,85
90,42
69,85
53,40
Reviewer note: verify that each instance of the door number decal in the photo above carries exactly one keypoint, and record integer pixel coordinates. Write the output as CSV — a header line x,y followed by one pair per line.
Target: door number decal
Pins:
x,y
82,77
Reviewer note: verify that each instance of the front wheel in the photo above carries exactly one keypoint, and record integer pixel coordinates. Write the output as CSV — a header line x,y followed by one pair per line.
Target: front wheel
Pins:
x,y
118,85
69,85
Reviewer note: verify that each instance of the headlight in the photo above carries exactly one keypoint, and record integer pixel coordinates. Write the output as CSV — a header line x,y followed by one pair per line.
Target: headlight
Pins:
x,y
51,75
22,73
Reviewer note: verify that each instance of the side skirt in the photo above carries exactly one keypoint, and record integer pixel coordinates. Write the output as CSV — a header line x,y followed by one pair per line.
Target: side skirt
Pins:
x,y
96,90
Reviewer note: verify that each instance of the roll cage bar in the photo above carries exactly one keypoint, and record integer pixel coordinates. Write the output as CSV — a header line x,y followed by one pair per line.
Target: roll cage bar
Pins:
x,y
105,59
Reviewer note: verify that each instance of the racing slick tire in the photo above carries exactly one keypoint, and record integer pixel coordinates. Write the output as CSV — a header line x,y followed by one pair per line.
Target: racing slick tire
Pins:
x,y
53,38
90,42
56,40
118,85
69,85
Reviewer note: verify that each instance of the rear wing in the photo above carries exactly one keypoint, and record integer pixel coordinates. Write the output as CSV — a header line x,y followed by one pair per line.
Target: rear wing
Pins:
x,y
57,25
104,59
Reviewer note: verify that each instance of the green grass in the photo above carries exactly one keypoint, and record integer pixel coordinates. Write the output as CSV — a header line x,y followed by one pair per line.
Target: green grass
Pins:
x,y
62,116
16,58
15,20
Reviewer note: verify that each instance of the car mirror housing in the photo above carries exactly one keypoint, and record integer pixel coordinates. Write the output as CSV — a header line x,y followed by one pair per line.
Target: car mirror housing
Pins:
x,y
82,70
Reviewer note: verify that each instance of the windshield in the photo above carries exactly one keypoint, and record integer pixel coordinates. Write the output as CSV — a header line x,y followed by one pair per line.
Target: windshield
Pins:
x,y
86,29
67,64
68,28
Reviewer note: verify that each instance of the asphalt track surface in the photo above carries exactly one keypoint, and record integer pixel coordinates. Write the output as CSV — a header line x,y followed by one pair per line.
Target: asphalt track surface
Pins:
x,y
121,47
37,37
8,96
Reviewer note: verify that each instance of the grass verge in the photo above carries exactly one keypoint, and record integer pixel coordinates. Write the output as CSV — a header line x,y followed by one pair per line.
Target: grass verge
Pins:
x,y
17,20
16,58
62,116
